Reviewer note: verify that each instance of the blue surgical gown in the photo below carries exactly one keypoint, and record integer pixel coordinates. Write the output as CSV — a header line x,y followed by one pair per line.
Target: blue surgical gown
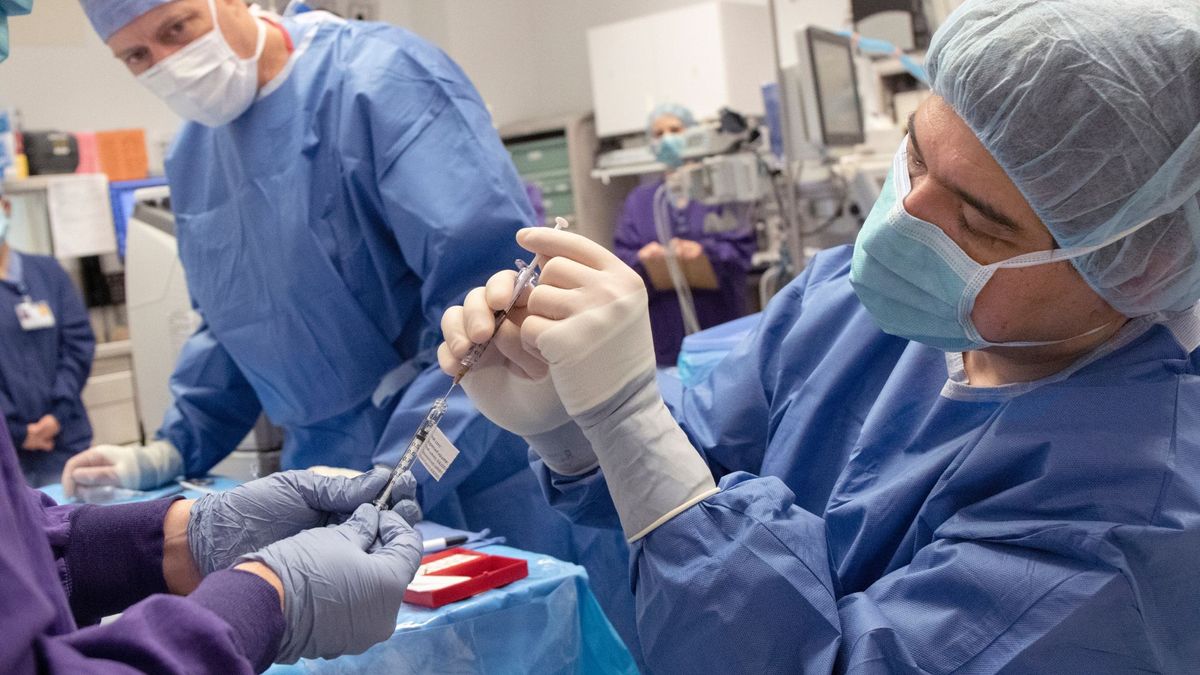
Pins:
x,y
323,233
43,371
879,515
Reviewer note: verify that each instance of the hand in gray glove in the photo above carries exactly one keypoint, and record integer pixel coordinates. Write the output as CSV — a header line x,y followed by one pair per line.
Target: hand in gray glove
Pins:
x,y
229,524
338,598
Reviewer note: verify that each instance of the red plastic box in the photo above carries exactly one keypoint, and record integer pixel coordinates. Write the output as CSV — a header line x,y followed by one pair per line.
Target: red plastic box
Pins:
x,y
437,582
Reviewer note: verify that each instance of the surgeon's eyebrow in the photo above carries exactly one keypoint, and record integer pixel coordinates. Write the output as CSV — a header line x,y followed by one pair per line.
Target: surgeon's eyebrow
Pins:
x,y
991,212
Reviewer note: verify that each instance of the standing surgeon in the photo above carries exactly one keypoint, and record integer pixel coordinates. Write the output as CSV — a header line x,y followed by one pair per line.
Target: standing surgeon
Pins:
x,y
289,566
47,353
338,185
969,444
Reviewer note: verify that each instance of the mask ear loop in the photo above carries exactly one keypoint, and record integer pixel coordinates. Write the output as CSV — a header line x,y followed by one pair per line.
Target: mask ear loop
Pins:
x,y
260,41
261,44
984,274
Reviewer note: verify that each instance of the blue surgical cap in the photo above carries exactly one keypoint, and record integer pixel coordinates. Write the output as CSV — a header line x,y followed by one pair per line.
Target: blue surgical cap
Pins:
x,y
110,16
1092,108
672,109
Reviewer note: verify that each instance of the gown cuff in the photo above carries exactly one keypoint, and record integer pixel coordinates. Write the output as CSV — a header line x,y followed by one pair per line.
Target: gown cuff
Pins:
x,y
114,557
250,606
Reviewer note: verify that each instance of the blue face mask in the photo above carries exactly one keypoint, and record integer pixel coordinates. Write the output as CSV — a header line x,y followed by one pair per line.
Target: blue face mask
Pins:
x,y
669,150
918,284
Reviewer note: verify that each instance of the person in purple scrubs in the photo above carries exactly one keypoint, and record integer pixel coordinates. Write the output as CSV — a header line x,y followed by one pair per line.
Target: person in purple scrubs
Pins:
x,y
718,232
226,584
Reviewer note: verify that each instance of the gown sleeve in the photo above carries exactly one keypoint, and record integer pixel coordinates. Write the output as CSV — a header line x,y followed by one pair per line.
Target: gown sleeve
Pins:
x,y
213,406
454,203
109,559
450,194
744,579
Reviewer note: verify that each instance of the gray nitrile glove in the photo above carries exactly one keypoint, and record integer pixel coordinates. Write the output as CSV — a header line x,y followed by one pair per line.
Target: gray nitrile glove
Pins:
x,y
229,524
338,598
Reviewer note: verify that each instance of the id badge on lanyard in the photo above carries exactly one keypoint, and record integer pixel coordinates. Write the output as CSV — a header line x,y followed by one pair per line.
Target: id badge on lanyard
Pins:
x,y
34,315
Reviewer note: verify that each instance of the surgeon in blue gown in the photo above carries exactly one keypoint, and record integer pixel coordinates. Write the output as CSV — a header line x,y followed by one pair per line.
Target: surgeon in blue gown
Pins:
x,y
969,444
337,186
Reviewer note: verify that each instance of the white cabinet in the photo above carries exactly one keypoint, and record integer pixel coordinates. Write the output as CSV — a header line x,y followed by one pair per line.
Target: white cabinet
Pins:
x,y
108,396
704,56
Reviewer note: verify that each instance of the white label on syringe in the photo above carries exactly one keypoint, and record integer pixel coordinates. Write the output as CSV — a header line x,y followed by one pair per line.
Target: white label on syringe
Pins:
x,y
437,453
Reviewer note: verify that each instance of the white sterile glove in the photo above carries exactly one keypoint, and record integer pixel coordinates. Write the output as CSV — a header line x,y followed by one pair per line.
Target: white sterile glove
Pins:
x,y
509,385
137,467
588,320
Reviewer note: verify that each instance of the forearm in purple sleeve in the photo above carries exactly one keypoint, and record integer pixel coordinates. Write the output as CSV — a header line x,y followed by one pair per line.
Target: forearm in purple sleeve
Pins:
x,y
232,623
109,556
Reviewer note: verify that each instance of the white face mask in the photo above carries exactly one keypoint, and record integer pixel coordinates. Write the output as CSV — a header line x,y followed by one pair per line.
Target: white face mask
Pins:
x,y
207,81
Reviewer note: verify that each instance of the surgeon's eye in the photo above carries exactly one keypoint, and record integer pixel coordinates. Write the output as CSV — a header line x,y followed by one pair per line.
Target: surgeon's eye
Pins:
x,y
137,58
916,166
174,33
977,231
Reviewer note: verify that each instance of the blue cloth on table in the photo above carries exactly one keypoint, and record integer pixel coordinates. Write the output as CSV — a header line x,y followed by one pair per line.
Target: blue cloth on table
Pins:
x,y
429,530
519,628
219,483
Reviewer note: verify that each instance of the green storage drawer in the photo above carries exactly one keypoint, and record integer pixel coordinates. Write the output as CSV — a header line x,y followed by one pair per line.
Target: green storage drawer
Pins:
x,y
560,204
550,182
534,157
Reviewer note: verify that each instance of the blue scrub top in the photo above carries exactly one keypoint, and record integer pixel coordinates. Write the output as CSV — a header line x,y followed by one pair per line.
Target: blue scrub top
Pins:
x,y
43,371
879,514
324,232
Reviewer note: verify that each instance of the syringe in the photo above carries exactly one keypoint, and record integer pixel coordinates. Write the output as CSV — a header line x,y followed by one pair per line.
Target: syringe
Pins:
x,y
526,276
410,453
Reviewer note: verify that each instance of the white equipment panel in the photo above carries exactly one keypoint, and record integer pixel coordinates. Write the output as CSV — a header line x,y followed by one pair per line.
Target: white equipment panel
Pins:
x,y
704,56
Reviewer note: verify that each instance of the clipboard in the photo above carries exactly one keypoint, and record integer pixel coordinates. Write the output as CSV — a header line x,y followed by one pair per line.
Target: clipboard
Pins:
x,y
698,272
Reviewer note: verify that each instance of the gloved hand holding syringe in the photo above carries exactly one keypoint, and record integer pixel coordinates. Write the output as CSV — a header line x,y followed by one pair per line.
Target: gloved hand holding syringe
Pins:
x,y
526,277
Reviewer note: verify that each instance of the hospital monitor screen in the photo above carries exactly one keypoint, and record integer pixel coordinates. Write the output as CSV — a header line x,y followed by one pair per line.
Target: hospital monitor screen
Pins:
x,y
837,90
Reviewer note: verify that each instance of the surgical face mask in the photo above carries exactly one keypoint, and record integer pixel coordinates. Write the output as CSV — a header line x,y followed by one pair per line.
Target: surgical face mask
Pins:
x,y
669,149
919,285
207,81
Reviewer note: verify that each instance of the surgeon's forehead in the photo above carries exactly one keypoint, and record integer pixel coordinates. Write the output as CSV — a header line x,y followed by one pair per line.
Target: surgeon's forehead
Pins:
x,y
957,158
667,120
147,26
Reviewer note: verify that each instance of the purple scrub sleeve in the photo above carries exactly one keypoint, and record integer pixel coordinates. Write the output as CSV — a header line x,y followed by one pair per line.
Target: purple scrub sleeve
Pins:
x,y
66,566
